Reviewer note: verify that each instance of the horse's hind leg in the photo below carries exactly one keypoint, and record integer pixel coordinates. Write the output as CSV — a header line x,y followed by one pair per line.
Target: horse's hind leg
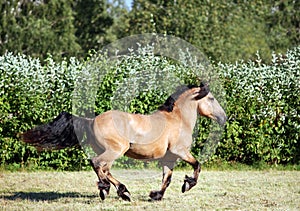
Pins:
x,y
121,188
102,165
103,183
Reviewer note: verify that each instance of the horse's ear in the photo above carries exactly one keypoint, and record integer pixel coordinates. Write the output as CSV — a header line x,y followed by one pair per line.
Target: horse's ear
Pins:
x,y
204,90
203,84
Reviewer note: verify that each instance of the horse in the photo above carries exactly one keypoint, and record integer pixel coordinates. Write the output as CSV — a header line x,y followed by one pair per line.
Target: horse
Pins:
x,y
164,135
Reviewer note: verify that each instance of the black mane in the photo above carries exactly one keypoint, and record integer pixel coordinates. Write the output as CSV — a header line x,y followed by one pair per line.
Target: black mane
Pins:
x,y
170,102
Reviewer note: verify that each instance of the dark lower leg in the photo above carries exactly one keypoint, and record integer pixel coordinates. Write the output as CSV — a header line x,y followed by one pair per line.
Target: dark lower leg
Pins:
x,y
103,186
102,165
190,182
167,175
121,188
103,183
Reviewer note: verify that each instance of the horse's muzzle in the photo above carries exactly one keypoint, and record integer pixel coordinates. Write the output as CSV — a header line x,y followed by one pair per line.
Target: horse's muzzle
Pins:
x,y
221,120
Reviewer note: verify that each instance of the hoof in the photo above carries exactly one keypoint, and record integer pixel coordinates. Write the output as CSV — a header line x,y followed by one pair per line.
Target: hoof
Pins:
x,y
156,195
126,196
104,187
103,194
189,182
123,193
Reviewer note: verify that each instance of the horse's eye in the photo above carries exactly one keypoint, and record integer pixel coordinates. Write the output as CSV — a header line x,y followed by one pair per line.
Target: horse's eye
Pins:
x,y
211,99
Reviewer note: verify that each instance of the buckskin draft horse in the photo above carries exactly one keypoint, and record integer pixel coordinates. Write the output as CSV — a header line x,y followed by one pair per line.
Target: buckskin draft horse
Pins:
x,y
165,135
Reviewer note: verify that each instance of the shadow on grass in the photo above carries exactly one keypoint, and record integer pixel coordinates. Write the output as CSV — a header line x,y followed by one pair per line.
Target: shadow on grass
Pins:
x,y
45,196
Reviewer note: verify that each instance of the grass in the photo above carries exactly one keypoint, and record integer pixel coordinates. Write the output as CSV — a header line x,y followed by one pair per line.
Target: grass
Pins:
x,y
216,190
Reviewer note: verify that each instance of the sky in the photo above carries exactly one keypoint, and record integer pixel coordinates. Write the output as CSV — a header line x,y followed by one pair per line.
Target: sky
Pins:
x,y
128,3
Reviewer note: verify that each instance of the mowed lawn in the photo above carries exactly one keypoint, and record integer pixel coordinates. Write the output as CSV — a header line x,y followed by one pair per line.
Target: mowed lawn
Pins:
x,y
216,190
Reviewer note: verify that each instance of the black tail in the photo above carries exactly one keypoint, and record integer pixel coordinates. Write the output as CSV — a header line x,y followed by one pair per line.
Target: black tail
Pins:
x,y
64,131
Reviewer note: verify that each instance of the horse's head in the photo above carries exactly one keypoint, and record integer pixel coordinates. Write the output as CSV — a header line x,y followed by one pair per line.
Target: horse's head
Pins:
x,y
208,106
198,96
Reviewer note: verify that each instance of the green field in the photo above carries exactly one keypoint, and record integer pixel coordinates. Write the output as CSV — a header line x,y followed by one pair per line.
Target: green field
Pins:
x,y
216,190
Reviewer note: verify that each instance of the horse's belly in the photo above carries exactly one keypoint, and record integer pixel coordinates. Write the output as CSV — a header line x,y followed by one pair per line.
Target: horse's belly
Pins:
x,y
146,151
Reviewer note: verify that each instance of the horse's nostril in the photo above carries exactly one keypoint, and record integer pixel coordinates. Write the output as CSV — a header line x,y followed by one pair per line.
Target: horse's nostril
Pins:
x,y
221,120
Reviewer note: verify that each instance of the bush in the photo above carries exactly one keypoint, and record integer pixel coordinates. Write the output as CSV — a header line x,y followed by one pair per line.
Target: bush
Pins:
x,y
262,104
32,94
263,108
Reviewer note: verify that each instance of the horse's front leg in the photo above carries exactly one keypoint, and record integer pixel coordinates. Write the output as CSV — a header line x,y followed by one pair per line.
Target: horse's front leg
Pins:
x,y
167,162
167,175
190,182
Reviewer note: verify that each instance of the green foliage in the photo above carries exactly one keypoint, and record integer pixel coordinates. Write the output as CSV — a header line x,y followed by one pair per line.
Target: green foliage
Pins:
x,y
262,95
262,104
38,28
283,25
137,83
263,109
31,94
224,30
92,22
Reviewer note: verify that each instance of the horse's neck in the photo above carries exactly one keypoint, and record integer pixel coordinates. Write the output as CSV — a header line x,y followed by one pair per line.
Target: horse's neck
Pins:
x,y
188,114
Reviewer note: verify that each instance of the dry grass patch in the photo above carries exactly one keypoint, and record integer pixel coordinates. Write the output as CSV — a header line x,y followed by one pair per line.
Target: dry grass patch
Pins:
x,y
232,190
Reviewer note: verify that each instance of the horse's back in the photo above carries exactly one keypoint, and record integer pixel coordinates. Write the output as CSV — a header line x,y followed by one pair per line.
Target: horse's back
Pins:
x,y
134,128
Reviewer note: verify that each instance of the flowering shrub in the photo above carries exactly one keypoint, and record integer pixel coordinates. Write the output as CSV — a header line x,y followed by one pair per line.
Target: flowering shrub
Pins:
x,y
32,94
263,109
262,103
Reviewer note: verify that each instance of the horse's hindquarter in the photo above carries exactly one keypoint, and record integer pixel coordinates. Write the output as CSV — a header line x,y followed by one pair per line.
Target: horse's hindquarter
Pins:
x,y
107,136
